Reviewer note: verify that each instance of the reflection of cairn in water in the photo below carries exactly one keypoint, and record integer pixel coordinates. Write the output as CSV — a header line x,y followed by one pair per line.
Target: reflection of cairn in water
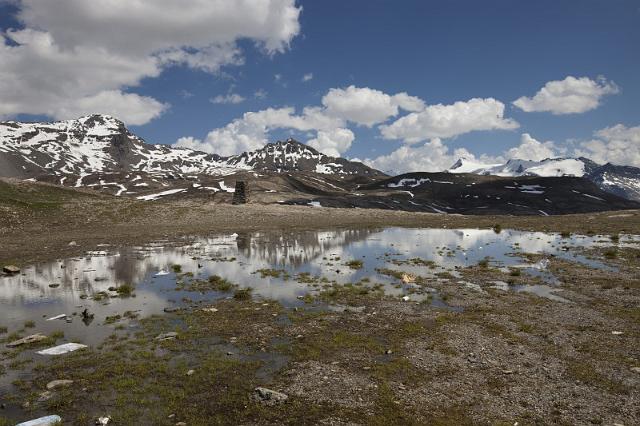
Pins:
x,y
295,249
240,194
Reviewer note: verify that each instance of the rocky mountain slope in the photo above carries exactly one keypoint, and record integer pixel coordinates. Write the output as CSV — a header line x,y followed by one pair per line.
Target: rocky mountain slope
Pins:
x,y
620,180
99,153
99,145
478,195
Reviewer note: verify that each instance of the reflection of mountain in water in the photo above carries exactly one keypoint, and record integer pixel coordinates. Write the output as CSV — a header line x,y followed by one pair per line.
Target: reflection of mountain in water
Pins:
x,y
294,249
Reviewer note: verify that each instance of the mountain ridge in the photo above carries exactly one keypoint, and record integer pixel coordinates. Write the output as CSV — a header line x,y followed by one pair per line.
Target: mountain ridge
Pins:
x,y
623,181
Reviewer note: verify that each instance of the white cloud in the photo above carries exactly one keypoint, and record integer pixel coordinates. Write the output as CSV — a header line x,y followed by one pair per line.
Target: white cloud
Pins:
x,y
408,103
73,51
333,142
569,96
250,132
307,77
138,109
260,94
433,156
231,98
446,121
532,149
366,106
618,144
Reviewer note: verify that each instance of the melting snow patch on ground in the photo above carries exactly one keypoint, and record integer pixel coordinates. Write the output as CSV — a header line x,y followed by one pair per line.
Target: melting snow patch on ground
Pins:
x,y
153,197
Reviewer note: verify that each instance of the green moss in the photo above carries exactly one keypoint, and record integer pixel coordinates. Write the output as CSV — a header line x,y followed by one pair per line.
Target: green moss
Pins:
x,y
243,294
355,264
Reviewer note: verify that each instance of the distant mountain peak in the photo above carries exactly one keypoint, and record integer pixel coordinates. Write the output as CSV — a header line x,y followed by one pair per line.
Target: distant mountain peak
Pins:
x,y
100,143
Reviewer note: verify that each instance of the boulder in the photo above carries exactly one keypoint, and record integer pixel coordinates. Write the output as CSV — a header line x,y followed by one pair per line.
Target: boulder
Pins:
x,y
11,269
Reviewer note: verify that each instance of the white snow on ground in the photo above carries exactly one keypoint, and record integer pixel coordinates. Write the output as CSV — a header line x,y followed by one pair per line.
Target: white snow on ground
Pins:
x,y
225,188
408,182
593,196
153,197
568,167
315,204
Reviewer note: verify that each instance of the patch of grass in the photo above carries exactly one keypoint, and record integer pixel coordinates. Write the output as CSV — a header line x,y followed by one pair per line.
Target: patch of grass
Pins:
x,y
3,330
272,273
29,324
610,253
565,234
176,268
497,228
213,283
125,290
582,370
355,264
515,272
243,293
484,263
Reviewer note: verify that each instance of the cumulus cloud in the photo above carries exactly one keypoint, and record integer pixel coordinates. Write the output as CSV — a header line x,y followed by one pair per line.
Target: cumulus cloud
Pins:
x,y
72,52
446,121
618,144
569,96
432,156
333,142
532,149
366,106
230,98
251,130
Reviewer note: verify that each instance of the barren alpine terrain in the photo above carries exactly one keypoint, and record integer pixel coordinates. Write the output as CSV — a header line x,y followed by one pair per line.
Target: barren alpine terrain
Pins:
x,y
195,311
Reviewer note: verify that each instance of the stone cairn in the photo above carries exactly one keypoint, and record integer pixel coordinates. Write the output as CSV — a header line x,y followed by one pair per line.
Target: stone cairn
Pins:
x,y
240,194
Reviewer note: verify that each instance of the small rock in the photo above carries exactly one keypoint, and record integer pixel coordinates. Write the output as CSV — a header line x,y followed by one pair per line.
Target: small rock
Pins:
x,y
406,298
26,340
617,333
171,416
191,372
59,384
171,310
388,352
269,397
408,278
72,244
103,420
42,421
167,336
635,369
11,269
45,396
181,424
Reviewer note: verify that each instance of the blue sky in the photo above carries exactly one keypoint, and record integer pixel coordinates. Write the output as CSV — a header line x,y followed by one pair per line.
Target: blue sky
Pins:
x,y
439,51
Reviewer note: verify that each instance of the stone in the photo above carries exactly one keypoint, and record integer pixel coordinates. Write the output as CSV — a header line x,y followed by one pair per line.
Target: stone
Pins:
x,y
45,396
408,278
27,340
11,269
167,336
42,421
269,396
191,372
59,384
635,369
240,193
103,420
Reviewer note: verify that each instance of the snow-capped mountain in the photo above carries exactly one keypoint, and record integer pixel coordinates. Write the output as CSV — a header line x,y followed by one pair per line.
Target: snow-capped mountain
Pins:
x,y
620,180
100,144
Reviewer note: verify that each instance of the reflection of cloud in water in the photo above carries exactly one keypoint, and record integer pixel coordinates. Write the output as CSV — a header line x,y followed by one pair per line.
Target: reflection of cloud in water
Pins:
x,y
305,251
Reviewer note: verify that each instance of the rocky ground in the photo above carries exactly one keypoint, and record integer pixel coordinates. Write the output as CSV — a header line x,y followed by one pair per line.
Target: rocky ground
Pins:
x,y
499,358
